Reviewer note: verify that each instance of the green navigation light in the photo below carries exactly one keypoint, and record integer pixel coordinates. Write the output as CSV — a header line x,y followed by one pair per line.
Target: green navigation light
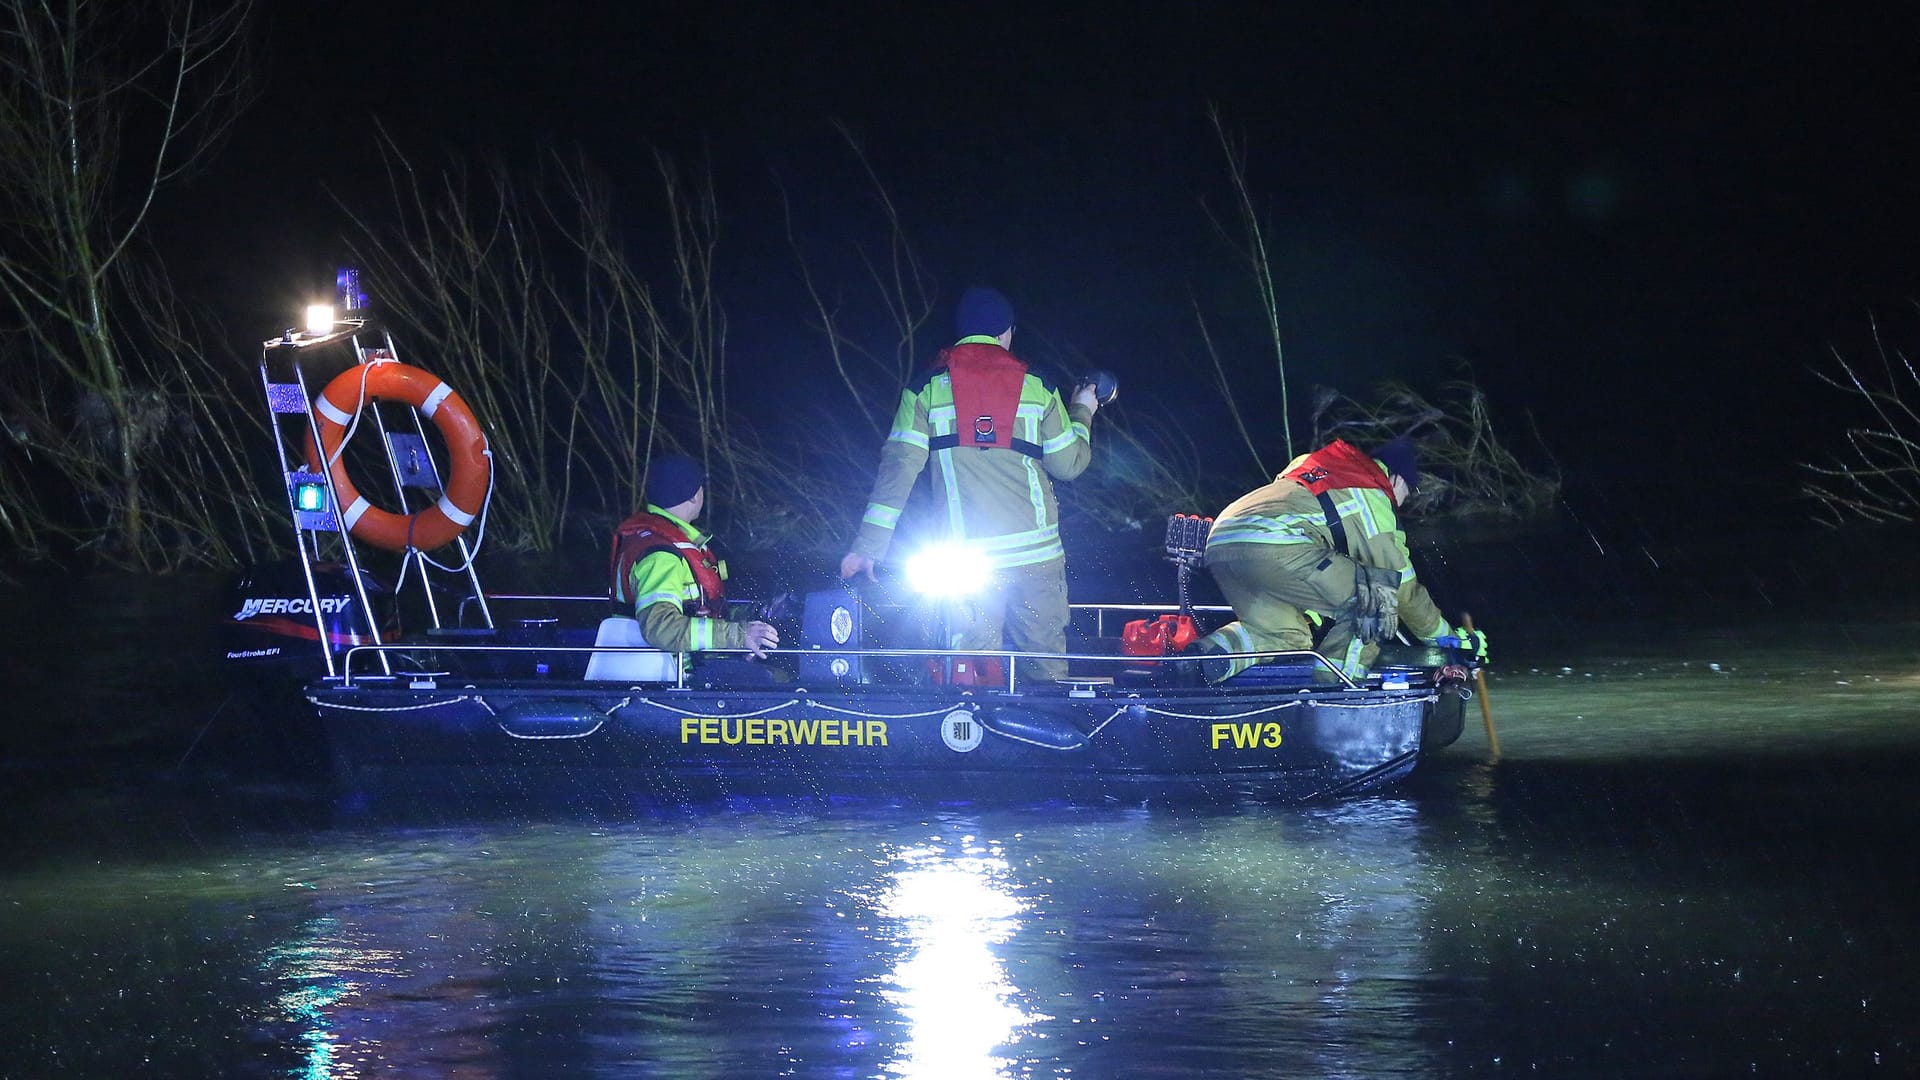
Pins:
x,y
310,497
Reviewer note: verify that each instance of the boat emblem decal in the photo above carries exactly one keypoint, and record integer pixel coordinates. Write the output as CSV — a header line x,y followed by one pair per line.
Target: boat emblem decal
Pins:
x,y
961,730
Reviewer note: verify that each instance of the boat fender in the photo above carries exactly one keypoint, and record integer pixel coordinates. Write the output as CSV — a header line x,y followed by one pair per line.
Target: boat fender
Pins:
x,y
550,719
1038,729
1442,722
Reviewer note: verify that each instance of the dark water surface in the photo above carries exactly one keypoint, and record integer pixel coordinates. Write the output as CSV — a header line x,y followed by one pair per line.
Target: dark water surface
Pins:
x,y
1693,858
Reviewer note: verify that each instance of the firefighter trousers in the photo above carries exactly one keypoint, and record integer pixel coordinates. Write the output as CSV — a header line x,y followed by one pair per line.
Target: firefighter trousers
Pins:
x,y
1271,588
1026,605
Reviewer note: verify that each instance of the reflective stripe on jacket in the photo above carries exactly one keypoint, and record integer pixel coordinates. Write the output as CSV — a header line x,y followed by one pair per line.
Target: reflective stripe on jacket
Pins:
x,y
999,498
1286,512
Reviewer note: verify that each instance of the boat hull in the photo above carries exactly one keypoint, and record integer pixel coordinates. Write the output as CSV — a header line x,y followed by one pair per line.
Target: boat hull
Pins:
x,y
534,737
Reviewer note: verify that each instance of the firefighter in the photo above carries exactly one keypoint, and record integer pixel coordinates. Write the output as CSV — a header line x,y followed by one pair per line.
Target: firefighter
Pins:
x,y
1324,536
662,567
998,437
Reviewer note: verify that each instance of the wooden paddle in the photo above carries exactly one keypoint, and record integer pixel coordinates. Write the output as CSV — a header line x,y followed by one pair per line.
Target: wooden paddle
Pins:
x,y
1480,686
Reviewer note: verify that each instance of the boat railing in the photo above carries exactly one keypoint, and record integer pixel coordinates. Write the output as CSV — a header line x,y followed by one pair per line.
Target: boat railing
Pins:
x,y
1100,612
532,598
1010,658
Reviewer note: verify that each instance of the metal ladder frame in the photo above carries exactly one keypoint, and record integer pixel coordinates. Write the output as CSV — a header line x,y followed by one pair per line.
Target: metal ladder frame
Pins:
x,y
286,398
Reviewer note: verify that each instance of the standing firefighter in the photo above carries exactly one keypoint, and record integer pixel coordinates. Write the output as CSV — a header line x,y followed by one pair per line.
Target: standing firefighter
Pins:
x,y
998,437
1323,537
661,565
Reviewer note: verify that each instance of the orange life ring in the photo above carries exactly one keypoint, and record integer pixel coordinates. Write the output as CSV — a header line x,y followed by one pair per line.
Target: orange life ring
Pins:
x,y
466,490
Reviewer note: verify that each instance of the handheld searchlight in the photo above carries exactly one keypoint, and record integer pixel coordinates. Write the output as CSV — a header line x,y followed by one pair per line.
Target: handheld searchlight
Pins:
x,y
1105,386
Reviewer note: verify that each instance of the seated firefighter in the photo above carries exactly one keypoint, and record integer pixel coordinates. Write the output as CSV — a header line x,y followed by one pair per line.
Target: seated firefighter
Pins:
x,y
661,565
1323,537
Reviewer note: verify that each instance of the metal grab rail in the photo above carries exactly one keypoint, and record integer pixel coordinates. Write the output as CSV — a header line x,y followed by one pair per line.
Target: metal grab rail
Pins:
x,y
1100,611
1012,684
460,617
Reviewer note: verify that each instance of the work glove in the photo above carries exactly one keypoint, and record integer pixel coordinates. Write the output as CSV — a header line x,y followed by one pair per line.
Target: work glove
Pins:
x,y
1471,642
1376,603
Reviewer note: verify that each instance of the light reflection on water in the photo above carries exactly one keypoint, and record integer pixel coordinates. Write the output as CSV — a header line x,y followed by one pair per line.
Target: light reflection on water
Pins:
x,y
960,1007
1674,869
793,943
324,973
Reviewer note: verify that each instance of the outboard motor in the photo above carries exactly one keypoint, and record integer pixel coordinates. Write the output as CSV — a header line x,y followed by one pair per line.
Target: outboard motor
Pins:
x,y
271,629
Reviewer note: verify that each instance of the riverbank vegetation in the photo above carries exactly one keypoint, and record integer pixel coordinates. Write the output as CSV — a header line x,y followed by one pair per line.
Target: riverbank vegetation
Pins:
x,y
587,337
518,290
119,435
1467,470
1876,478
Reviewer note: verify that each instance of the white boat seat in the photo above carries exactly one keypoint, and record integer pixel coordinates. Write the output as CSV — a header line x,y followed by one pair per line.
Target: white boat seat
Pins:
x,y
624,631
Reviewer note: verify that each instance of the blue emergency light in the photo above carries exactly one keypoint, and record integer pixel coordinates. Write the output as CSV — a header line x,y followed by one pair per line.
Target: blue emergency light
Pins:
x,y
346,289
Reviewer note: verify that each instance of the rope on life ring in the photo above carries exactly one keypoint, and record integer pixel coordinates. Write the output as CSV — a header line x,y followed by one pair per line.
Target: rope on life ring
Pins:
x,y
337,410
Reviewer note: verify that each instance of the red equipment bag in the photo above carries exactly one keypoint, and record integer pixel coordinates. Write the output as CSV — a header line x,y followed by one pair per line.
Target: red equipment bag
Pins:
x,y
1162,636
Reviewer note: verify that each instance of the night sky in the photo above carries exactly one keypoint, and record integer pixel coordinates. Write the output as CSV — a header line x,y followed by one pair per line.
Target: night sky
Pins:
x,y
1641,227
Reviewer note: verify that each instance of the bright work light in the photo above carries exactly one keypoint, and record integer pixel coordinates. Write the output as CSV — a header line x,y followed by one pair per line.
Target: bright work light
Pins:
x,y
948,570
319,319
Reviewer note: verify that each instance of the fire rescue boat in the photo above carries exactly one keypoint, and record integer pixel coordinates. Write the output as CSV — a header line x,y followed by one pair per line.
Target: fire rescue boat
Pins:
x,y
544,695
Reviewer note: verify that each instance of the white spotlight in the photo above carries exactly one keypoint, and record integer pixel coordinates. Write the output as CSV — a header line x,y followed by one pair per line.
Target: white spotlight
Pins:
x,y
948,570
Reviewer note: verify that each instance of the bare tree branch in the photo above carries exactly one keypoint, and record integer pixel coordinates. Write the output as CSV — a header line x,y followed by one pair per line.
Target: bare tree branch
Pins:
x,y
110,371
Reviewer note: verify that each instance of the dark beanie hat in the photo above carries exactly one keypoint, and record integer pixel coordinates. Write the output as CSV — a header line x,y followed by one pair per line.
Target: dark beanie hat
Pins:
x,y
673,479
1399,458
982,311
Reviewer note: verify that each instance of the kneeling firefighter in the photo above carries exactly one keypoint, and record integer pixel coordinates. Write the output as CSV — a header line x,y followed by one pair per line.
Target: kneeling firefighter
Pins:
x,y
1325,537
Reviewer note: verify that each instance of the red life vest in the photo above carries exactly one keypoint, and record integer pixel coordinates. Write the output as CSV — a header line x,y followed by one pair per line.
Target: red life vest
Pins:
x,y
645,533
987,380
1340,464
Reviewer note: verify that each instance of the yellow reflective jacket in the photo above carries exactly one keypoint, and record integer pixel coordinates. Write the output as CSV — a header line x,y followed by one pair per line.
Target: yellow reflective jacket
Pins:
x,y
1285,512
662,585
1001,499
